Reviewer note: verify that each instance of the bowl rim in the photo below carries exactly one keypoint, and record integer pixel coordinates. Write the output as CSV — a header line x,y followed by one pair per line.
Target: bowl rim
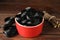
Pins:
x,y
16,22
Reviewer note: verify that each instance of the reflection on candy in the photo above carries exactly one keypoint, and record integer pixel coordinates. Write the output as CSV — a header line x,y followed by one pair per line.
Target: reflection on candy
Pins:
x,y
30,17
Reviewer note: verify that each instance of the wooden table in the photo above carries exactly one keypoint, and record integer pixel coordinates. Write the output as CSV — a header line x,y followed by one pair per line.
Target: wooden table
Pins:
x,y
51,6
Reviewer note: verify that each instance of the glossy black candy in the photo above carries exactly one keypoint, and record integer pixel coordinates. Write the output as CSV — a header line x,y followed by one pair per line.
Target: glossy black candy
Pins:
x,y
12,31
9,27
30,17
6,19
8,22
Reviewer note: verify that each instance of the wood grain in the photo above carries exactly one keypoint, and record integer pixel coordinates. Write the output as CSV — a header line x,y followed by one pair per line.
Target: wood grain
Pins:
x,y
11,8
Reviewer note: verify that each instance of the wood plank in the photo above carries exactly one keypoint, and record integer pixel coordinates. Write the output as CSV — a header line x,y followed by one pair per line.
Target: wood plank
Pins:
x,y
11,8
21,4
48,28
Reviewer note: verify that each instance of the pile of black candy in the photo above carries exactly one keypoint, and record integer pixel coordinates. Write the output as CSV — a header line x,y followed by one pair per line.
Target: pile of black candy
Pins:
x,y
30,17
9,27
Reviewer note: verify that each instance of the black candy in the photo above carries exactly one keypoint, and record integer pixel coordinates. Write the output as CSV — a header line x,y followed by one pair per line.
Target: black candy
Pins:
x,y
6,19
8,22
30,17
12,31
9,28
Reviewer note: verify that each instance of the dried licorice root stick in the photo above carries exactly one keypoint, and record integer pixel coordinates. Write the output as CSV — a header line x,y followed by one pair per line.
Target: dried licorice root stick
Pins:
x,y
59,23
51,19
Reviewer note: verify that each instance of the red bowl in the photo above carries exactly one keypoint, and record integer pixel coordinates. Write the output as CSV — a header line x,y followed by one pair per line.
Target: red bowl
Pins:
x,y
29,31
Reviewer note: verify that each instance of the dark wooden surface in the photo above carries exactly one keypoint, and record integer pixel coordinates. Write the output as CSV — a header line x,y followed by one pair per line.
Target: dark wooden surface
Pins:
x,y
8,8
